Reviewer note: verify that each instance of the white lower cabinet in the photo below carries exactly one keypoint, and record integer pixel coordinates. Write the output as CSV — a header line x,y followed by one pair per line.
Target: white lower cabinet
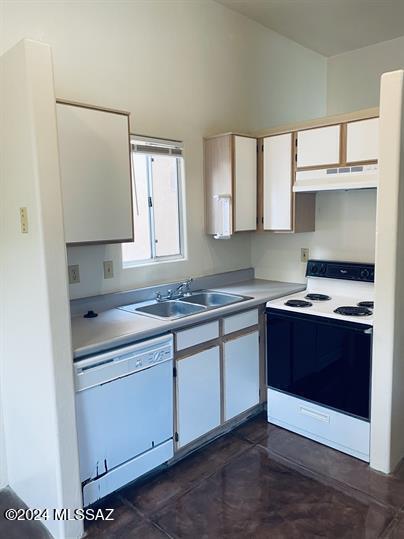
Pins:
x,y
241,374
198,395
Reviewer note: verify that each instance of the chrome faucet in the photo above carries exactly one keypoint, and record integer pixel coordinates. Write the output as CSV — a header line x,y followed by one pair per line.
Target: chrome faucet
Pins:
x,y
160,297
182,290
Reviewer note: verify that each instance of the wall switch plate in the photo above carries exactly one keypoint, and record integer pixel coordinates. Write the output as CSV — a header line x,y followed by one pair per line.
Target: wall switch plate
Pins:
x,y
74,274
108,269
304,254
24,220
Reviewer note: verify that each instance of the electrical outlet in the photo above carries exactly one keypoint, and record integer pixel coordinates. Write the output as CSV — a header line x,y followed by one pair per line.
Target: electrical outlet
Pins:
x,y
108,269
24,220
74,274
304,254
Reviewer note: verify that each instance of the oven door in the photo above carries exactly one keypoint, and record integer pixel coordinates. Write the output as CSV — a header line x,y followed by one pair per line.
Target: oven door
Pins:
x,y
322,360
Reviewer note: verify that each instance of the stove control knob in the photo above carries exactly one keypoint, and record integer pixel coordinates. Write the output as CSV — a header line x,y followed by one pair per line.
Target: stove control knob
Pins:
x,y
364,274
322,269
314,268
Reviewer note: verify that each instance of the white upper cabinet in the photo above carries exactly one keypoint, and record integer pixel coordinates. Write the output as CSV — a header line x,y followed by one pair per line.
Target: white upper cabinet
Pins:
x,y
96,174
245,183
230,171
363,141
319,146
282,210
277,182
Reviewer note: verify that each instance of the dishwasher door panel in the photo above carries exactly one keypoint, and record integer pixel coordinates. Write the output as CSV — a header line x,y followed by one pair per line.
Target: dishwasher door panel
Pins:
x,y
123,418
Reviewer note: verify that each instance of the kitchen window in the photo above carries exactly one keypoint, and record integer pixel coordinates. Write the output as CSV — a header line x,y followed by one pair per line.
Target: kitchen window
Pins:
x,y
157,202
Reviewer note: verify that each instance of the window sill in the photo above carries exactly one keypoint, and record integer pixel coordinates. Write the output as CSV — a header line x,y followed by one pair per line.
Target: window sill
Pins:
x,y
130,265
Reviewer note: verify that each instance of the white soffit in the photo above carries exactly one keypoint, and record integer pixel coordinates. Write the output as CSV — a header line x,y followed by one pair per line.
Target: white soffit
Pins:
x,y
328,27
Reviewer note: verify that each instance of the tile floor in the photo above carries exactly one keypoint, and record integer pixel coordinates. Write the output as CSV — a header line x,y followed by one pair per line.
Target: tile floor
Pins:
x,y
260,481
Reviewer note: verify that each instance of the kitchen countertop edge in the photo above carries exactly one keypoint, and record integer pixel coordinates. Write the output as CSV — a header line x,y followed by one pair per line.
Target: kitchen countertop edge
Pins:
x,y
253,288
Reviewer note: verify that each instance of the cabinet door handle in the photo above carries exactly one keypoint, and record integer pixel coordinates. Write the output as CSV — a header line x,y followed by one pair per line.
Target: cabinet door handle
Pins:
x,y
314,414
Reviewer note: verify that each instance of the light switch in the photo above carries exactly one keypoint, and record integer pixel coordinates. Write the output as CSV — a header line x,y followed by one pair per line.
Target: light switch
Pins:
x,y
24,220
108,269
304,254
74,274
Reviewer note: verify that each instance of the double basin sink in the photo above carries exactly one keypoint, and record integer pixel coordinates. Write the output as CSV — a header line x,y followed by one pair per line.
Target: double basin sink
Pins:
x,y
188,305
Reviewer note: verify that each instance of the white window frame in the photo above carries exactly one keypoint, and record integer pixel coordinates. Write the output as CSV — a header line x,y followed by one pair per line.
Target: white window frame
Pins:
x,y
182,256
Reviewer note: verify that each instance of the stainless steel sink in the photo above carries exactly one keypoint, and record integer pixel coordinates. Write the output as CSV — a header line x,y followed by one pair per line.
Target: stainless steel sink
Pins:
x,y
185,306
213,299
170,309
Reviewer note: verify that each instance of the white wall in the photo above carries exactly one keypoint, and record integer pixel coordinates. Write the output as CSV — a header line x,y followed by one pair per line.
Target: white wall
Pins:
x,y
345,221
345,230
184,70
387,433
36,355
3,457
353,78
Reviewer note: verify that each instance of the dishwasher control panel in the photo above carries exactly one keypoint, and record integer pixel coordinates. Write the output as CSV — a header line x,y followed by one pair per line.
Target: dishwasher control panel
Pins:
x,y
147,359
103,368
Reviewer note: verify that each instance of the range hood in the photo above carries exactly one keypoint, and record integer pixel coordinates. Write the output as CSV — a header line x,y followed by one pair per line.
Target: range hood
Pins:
x,y
331,179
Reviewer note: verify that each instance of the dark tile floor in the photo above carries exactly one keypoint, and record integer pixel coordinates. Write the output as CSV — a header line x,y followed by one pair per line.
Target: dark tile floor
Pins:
x,y
257,482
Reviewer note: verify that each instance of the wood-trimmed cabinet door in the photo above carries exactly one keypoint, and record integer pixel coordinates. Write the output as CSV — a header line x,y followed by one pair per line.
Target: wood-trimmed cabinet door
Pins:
x,y
319,147
241,374
94,156
277,182
198,395
282,210
362,141
245,183
230,174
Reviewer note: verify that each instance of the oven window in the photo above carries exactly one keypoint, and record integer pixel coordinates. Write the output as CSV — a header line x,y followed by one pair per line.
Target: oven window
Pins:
x,y
320,360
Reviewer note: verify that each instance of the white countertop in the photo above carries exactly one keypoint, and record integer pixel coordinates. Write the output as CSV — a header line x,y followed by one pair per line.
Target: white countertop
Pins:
x,y
113,328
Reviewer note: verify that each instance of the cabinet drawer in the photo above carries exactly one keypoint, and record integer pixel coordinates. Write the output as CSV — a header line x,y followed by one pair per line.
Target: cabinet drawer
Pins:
x,y
240,321
197,335
343,432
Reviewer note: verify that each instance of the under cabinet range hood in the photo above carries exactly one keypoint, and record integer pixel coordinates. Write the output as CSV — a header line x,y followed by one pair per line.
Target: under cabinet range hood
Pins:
x,y
335,178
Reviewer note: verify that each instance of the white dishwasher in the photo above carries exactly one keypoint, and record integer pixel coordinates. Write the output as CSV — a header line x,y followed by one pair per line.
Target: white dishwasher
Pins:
x,y
124,409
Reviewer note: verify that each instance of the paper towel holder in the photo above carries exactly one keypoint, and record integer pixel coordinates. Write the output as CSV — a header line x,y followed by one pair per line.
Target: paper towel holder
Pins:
x,y
223,216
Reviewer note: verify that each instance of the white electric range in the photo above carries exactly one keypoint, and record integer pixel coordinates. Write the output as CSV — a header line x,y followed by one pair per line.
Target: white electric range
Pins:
x,y
319,345
340,290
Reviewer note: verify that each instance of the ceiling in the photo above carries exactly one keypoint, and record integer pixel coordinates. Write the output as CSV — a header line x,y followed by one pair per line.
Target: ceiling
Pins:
x,y
329,27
